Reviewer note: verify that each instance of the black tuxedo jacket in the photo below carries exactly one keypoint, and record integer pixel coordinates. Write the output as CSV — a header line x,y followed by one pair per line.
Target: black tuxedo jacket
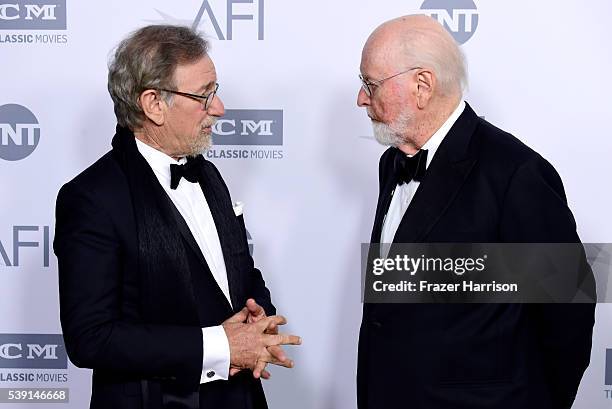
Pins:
x,y
135,289
482,186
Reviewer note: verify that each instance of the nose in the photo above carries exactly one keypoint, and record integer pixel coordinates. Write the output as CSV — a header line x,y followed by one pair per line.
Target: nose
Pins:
x,y
362,98
216,107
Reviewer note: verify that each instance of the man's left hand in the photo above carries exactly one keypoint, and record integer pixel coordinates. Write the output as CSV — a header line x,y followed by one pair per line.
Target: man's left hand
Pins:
x,y
256,313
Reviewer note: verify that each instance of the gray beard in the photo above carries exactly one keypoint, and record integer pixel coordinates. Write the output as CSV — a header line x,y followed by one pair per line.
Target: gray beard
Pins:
x,y
391,135
202,144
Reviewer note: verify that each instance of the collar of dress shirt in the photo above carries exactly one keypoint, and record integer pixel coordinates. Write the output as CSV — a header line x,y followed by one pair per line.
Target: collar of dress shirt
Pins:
x,y
159,161
436,139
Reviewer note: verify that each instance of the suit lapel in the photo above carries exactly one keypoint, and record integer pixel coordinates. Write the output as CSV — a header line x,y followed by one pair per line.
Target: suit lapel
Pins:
x,y
167,291
447,172
186,233
384,200
188,238
226,224
387,187
433,197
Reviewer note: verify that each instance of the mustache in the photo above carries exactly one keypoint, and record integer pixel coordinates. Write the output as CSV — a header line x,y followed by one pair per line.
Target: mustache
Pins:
x,y
210,122
371,116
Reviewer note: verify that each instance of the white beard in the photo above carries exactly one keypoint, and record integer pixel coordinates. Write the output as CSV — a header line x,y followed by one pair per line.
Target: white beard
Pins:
x,y
391,135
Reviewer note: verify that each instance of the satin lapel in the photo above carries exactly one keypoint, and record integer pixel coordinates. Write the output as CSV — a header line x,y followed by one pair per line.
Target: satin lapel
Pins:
x,y
446,173
226,223
165,273
387,183
188,237
384,199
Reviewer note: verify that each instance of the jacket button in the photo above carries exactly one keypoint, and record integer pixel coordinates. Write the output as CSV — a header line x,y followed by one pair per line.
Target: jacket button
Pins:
x,y
210,374
376,324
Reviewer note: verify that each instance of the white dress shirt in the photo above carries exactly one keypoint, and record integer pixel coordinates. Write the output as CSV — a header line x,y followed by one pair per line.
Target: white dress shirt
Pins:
x,y
192,205
403,194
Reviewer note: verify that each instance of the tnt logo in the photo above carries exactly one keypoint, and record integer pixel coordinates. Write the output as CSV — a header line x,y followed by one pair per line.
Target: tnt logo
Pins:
x,y
19,132
223,15
609,367
33,15
249,127
459,17
32,351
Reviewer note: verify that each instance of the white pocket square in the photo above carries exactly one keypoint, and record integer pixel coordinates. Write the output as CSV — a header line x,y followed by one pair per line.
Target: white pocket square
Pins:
x,y
238,208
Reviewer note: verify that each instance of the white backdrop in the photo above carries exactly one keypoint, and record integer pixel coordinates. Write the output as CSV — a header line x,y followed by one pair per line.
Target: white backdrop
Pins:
x,y
537,69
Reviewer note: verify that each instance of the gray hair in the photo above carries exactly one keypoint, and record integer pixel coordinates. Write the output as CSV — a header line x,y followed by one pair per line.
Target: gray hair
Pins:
x,y
147,59
437,50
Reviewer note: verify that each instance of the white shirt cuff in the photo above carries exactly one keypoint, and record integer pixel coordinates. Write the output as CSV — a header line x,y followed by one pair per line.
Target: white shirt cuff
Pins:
x,y
216,358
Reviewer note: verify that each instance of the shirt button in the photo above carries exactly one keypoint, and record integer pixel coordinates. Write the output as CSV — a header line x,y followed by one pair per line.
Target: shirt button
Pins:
x,y
210,374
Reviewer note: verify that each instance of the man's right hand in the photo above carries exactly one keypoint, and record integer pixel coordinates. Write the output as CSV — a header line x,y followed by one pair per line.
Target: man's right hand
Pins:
x,y
248,342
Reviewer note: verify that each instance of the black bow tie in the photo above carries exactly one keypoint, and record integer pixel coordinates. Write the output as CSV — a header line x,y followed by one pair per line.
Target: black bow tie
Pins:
x,y
407,169
191,171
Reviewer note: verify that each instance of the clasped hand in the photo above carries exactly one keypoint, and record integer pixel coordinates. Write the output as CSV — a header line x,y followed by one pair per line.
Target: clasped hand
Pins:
x,y
254,340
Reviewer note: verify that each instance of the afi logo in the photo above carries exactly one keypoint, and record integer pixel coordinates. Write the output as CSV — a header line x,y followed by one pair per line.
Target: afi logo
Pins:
x,y
19,132
30,11
36,237
459,17
33,15
230,17
249,127
222,15
32,351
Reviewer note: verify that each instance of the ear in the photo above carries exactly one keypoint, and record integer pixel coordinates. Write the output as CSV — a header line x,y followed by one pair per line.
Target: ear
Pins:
x,y
425,85
153,106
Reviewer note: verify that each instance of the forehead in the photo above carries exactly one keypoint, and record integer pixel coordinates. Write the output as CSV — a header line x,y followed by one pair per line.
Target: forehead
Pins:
x,y
378,58
196,74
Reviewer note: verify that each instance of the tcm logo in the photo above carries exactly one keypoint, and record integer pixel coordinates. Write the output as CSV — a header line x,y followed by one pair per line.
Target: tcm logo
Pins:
x,y
32,15
19,132
27,237
221,15
249,127
32,351
459,17
609,367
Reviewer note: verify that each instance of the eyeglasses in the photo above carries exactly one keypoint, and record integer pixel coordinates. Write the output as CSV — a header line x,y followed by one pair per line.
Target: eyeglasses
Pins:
x,y
206,100
367,84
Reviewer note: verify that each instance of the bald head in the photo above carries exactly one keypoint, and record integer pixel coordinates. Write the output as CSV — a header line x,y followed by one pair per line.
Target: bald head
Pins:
x,y
413,75
417,40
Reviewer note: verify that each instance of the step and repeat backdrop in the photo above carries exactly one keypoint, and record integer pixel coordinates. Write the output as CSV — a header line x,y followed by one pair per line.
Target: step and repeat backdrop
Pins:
x,y
294,147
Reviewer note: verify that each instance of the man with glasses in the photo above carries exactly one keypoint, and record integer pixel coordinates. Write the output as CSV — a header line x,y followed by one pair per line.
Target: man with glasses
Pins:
x,y
451,177
158,291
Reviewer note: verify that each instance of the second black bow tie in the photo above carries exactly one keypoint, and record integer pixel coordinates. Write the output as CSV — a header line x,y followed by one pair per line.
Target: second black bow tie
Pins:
x,y
191,171
407,169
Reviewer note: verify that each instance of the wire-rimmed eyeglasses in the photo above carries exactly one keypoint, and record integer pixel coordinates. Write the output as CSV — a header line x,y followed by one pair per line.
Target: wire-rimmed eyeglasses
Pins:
x,y
206,100
367,84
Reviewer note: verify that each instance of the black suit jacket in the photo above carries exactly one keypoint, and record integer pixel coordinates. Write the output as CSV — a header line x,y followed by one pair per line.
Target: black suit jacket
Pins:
x,y
134,296
482,186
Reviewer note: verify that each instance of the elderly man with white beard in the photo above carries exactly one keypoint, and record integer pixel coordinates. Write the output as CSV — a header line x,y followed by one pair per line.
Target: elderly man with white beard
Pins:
x,y
452,177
